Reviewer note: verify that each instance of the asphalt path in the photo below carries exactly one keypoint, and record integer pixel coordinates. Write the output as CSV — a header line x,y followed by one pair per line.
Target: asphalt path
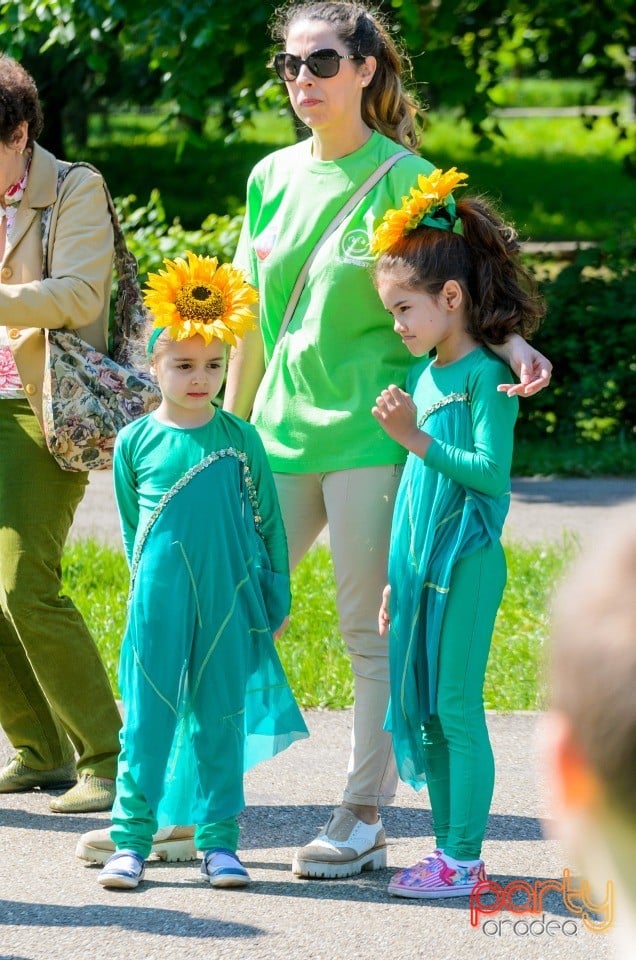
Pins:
x,y
541,509
51,907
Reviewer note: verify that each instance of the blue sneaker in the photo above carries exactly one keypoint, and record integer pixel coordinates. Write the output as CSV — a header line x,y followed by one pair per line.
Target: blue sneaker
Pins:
x,y
123,871
222,868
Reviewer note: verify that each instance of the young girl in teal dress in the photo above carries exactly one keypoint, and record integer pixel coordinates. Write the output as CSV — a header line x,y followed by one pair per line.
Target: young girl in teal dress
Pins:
x,y
450,276
205,696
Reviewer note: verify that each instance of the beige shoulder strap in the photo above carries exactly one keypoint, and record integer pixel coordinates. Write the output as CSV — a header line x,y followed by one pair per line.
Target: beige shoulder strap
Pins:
x,y
342,214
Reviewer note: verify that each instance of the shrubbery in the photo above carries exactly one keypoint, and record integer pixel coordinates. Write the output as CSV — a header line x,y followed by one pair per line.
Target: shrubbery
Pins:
x,y
590,335
151,237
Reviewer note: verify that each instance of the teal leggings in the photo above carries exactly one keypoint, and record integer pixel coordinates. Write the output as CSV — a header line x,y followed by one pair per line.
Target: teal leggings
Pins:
x,y
134,822
460,768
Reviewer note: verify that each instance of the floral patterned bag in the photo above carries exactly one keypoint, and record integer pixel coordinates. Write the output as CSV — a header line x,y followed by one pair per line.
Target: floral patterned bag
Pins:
x,y
88,397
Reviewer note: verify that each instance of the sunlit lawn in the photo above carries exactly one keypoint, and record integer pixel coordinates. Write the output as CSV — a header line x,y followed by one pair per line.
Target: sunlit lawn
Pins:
x,y
556,178
312,650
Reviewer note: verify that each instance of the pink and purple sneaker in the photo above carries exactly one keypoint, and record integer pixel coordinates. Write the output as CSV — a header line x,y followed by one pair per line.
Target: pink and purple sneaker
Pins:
x,y
436,877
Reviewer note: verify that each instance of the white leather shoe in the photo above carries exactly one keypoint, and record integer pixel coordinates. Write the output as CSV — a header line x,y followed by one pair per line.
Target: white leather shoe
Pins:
x,y
347,847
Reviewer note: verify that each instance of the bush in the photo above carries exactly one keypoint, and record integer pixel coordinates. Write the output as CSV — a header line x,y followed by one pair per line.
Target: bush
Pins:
x,y
151,237
590,335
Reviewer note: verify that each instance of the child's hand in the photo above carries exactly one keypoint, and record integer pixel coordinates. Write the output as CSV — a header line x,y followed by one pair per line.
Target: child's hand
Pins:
x,y
384,620
397,414
281,630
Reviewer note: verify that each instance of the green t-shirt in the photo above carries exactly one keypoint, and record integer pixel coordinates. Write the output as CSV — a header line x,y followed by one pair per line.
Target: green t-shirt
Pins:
x,y
313,407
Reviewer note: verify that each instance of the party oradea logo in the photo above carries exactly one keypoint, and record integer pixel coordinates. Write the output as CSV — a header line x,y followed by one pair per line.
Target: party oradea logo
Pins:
x,y
489,898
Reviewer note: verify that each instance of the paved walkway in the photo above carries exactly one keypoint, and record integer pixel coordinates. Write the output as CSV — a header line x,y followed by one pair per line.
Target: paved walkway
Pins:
x,y
541,509
51,907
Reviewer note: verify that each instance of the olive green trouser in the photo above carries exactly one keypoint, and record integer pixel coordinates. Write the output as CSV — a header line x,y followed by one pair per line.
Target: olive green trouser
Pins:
x,y
54,692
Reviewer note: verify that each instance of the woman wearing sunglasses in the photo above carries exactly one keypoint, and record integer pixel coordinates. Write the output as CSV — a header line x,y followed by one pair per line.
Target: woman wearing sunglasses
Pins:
x,y
311,394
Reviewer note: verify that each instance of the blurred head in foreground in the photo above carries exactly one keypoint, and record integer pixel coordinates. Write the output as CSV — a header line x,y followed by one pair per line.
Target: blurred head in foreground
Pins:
x,y
592,721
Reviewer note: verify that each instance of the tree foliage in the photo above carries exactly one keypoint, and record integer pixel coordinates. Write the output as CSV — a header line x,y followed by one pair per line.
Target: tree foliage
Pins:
x,y
461,50
74,51
200,53
189,55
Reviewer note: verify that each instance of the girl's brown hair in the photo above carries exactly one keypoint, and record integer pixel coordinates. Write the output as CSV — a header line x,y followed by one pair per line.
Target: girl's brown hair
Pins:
x,y
386,106
501,295
19,101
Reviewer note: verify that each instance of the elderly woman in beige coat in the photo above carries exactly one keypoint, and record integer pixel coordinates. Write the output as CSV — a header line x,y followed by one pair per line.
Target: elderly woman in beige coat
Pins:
x,y
56,705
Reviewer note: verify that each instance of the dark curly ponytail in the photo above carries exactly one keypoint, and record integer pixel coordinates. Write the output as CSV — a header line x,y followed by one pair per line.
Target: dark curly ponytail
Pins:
x,y
501,295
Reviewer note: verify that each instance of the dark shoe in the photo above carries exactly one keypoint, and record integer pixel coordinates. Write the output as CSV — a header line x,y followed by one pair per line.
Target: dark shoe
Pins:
x,y
89,795
172,844
16,777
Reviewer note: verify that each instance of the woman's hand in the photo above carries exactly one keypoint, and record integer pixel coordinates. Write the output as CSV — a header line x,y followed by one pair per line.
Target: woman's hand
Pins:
x,y
384,620
533,369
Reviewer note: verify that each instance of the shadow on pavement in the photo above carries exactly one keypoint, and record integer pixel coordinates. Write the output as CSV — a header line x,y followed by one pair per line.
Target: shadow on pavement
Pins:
x,y
286,826
273,826
169,923
56,823
574,491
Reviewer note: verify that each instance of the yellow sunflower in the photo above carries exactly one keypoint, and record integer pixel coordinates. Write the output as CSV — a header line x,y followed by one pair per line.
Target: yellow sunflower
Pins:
x,y
432,191
201,297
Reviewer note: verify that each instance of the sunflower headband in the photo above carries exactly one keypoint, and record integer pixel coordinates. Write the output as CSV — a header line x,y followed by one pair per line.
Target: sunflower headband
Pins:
x,y
199,297
429,204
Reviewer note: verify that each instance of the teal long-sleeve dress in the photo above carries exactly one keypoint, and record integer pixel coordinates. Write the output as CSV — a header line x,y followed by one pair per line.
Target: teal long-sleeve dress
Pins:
x,y
449,505
205,695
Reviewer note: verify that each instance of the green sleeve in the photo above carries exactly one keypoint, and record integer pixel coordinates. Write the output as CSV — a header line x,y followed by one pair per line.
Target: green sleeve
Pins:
x,y
487,468
125,495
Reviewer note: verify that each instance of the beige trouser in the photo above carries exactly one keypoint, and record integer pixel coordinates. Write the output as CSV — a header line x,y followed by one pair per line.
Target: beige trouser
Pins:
x,y
358,506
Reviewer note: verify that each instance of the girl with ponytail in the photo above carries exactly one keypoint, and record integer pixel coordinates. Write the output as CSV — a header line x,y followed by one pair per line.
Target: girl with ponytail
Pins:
x,y
450,275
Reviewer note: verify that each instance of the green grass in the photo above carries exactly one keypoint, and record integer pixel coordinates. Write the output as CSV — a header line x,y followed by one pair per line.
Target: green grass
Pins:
x,y
543,92
514,678
556,178
312,651
96,577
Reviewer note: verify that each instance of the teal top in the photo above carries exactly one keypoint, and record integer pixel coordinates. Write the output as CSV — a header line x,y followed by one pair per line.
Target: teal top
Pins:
x,y
151,457
205,695
449,504
313,406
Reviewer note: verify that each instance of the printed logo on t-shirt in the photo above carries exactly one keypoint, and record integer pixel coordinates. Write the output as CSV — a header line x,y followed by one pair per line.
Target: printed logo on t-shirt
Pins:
x,y
265,243
355,248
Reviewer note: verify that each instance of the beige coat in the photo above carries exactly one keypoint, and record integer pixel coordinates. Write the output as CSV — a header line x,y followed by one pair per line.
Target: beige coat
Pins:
x,y
76,292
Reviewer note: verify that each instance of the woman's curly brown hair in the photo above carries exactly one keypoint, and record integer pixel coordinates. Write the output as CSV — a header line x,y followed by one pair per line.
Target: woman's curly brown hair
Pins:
x,y
19,101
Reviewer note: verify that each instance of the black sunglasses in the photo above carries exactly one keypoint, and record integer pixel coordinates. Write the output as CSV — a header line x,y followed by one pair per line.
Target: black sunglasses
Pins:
x,y
322,63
